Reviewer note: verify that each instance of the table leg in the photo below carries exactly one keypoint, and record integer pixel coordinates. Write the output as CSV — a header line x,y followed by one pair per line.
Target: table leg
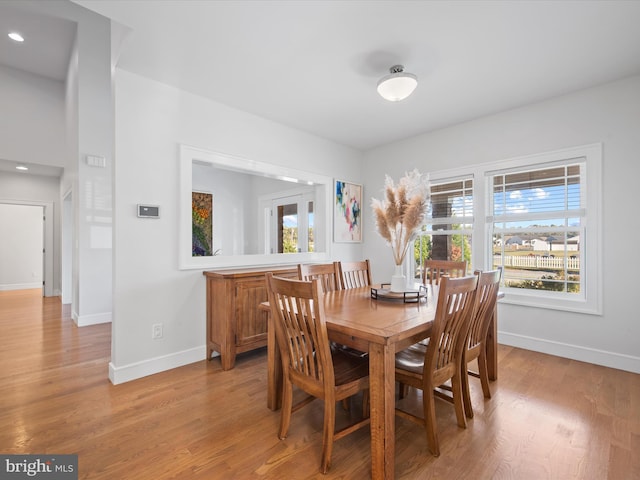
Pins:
x,y
382,398
492,346
274,369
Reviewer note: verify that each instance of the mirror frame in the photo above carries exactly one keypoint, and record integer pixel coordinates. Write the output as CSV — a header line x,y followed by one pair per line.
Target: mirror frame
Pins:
x,y
229,162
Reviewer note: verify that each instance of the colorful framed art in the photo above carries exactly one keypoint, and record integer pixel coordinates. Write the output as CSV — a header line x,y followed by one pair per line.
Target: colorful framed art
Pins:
x,y
201,224
347,212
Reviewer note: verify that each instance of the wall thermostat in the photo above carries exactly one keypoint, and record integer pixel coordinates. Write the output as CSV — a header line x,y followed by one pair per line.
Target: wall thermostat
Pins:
x,y
148,211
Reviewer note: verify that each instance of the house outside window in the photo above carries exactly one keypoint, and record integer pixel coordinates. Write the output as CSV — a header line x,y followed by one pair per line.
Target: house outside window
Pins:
x,y
538,220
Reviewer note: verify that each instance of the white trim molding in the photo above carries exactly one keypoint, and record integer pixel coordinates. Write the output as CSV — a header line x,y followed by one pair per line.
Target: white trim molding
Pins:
x,y
93,319
136,370
616,360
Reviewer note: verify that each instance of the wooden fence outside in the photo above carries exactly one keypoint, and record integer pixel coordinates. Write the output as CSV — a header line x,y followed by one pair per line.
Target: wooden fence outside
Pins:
x,y
537,261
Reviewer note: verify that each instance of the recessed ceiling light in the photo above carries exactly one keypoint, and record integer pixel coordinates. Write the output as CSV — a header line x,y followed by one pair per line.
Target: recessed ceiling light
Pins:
x,y
15,36
22,167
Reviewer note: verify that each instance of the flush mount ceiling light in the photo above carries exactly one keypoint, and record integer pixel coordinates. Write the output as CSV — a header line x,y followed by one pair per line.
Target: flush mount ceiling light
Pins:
x,y
22,167
16,37
398,85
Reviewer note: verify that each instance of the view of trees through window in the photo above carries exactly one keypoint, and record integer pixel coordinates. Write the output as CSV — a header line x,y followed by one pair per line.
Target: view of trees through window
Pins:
x,y
288,241
446,234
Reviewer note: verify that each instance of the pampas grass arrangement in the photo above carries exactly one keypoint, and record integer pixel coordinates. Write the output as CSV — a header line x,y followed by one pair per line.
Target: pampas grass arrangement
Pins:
x,y
399,215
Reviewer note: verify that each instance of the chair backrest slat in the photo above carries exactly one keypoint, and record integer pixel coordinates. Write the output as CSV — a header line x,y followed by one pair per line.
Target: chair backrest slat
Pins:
x,y
486,297
354,274
326,273
454,309
434,270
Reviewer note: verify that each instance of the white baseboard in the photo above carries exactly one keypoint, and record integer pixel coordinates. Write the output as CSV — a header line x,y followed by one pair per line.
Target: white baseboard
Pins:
x,y
619,361
20,286
141,369
93,319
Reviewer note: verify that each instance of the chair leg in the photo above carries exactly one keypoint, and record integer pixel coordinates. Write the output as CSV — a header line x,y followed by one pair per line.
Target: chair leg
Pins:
x,y
466,393
287,405
403,389
484,373
458,402
327,434
365,404
428,401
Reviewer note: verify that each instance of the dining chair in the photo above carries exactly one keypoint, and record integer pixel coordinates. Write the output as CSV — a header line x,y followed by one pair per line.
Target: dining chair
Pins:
x,y
476,342
327,274
434,270
308,361
354,274
425,367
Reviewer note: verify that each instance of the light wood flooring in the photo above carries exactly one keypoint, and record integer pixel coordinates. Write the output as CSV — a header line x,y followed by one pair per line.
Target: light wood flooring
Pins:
x,y
549,418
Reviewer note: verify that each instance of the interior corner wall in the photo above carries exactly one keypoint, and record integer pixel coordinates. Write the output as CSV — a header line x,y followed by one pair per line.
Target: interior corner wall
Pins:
x,y
92,195
152,119
608,114
69,184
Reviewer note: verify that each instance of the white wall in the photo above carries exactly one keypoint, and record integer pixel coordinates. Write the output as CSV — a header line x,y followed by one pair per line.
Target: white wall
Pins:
x,y
89,130
609,114
32,124
92,194
152,119
21,246
27,189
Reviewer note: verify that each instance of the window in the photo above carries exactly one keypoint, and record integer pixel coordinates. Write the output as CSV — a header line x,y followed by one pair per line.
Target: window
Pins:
x,y
448,229
538,221
538,217
543,227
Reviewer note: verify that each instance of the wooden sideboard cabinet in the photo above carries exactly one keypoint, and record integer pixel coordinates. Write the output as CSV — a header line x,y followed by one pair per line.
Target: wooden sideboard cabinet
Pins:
x,y
234,322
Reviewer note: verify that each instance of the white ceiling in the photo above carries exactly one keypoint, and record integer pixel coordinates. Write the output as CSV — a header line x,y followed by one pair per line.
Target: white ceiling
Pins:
x,y
45,52
48,44
314,65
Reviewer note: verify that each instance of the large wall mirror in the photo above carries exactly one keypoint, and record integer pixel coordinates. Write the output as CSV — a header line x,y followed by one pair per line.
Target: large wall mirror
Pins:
x,y
239,212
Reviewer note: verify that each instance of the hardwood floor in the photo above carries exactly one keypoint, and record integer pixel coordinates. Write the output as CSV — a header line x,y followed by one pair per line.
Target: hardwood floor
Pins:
x,y
549,418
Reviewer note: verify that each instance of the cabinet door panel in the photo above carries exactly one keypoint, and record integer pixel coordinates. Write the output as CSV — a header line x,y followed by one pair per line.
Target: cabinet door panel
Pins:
x,y
251,323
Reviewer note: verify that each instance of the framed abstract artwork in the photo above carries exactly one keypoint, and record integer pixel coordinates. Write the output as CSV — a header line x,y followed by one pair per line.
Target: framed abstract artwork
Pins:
x,y
347,212
201,224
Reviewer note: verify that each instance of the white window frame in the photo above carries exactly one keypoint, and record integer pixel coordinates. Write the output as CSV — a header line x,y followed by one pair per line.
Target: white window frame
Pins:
x,y
482,237
590,298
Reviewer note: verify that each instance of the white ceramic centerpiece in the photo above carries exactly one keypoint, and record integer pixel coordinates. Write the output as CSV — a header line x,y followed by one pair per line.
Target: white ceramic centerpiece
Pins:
x,y
399,217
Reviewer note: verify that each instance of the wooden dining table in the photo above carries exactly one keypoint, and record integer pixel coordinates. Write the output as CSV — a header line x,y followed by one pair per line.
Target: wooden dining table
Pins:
x,y
380,327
